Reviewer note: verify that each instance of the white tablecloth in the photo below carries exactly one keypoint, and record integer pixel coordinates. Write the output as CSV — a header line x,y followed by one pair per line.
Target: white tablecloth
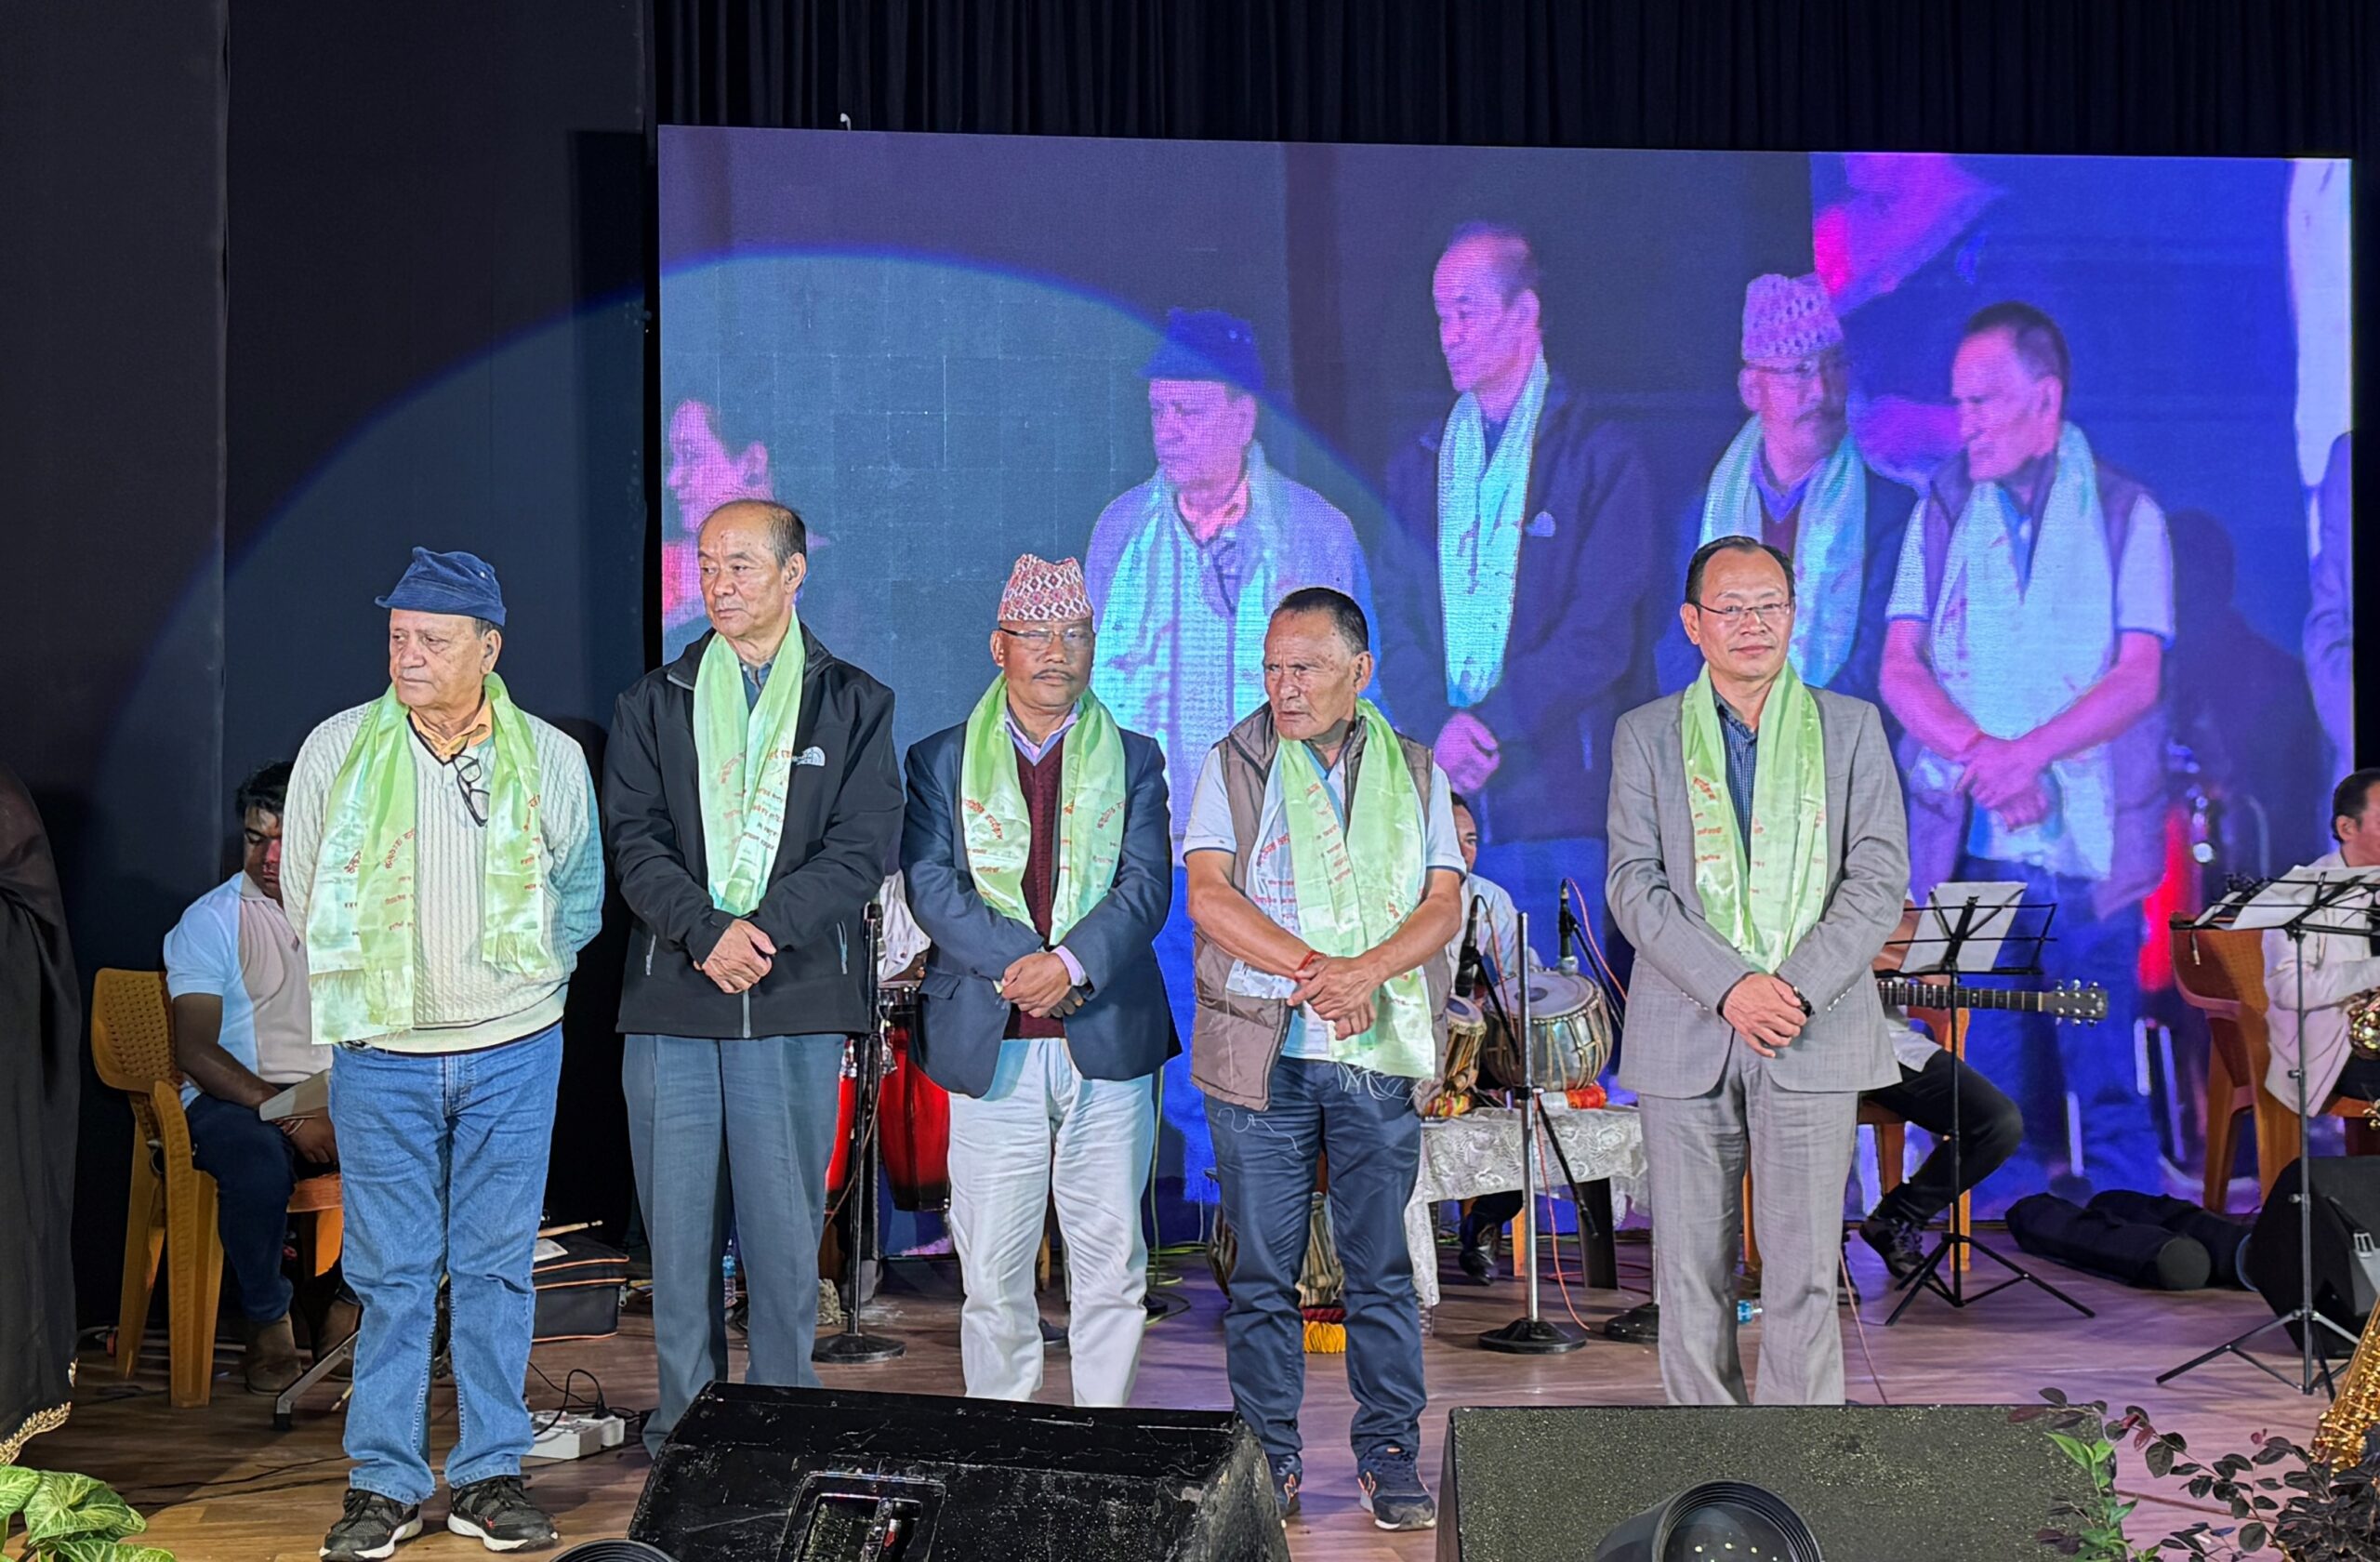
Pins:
x,y
1480,1152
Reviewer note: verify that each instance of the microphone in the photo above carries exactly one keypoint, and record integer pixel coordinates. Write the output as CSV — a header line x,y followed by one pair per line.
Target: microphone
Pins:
x,y
1567,930
1467,971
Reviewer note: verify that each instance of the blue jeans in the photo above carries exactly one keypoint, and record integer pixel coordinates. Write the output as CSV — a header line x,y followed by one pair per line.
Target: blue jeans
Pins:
x,y
1366,1124
2040,1063
443,1157
743,1128
255,1167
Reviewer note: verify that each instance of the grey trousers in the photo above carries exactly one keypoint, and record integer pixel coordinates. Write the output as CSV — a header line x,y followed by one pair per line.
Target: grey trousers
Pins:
x,y
1799,1145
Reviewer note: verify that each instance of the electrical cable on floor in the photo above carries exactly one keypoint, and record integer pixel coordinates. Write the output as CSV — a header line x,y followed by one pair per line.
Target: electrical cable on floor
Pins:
x,y
1859,1327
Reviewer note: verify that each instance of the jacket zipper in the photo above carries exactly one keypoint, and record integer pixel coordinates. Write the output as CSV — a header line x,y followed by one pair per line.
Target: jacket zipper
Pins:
x,y
747,1013
843,947
652,941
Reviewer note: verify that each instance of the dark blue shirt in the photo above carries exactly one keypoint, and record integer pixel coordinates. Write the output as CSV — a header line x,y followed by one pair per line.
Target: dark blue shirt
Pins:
x,y
1743,754
755,679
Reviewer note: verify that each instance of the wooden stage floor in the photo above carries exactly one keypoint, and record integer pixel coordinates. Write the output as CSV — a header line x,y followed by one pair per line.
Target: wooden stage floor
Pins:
x,y
221,1485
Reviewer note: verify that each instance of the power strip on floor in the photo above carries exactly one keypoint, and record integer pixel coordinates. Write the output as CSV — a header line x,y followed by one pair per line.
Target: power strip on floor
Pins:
x,y
575,1437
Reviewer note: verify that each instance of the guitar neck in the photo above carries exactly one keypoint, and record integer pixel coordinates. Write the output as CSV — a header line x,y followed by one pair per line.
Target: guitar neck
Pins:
x,y
1904,992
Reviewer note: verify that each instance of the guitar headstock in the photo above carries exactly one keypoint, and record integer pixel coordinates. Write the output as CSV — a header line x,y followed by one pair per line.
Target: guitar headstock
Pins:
x,y
2076,1001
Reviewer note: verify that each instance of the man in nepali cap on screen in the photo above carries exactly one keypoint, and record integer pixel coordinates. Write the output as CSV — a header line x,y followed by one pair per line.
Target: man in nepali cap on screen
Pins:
x,y
1794,478
439,853
1036,860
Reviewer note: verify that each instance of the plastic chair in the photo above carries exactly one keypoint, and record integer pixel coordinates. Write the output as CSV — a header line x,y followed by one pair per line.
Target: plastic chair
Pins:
x,y
172,1210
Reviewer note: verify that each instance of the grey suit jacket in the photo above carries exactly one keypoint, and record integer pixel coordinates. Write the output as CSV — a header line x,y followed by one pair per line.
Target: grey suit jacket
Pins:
x,y
1676,1043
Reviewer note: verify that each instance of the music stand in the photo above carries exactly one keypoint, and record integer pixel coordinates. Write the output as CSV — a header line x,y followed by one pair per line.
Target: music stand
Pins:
x,y
1974,927
851,1346
1530,1334
2327,890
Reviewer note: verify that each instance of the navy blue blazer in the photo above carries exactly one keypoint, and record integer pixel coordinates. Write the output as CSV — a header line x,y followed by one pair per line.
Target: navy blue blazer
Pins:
x,y
1125,1026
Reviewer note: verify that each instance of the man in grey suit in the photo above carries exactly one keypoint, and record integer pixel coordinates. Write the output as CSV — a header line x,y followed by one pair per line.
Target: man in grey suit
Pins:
x,y
1759,857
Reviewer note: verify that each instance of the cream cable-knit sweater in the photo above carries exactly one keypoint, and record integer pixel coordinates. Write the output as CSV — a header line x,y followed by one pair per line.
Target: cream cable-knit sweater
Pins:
x,y
460,1002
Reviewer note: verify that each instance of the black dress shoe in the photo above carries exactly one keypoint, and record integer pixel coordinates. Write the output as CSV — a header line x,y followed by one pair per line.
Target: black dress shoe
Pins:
x,y
1899,1243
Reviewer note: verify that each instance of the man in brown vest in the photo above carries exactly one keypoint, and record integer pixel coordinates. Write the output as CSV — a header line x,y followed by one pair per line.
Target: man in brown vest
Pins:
x,y
1040,861
1324,883
2025,659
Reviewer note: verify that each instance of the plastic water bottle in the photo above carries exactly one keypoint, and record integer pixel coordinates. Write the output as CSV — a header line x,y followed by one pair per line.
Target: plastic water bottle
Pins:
x,y
1746,1311
727,1281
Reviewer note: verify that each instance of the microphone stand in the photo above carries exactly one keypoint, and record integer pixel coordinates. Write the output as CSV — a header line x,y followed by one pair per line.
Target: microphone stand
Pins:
x,y
1530,1334
854,1347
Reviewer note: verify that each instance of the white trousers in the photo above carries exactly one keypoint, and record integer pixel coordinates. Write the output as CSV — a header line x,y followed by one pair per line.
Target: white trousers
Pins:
x,y
1042,1128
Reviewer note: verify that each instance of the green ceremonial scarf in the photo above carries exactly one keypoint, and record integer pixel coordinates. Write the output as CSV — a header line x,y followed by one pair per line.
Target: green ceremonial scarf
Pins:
x,y
744,766
1356,885
1763,908
360,935
999,826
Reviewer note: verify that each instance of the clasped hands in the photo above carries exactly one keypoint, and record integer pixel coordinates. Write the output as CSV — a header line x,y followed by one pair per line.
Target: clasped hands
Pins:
x,y
1041,986
740,959
2004,775
1764,1011
1343,989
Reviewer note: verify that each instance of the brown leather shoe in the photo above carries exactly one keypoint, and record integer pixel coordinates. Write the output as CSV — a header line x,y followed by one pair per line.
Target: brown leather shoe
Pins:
x,y
339,1321
273,1362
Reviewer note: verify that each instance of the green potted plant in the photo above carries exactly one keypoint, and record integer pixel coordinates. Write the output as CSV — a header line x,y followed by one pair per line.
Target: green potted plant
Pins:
x,y
2278,1496
71,1519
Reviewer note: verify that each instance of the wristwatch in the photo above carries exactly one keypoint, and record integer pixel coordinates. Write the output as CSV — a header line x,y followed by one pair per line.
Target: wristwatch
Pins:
x,y
1807,1013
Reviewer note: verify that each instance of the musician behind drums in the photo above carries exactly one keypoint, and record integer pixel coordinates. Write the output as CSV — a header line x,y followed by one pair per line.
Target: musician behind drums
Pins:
x,y
1492,923
2339,967
1040,861
1975,1128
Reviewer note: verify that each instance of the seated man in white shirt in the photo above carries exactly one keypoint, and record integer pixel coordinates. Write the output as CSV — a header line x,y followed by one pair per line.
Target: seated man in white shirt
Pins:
x,y
2336,967
243,1032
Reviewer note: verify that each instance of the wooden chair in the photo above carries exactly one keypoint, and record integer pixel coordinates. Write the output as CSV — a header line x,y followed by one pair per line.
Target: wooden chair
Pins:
x,y
173,1205
2220,973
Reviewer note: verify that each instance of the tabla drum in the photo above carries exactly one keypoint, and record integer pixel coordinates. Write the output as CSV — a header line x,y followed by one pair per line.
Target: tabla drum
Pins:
x,y
1466,1034
1322,1283
1569,1036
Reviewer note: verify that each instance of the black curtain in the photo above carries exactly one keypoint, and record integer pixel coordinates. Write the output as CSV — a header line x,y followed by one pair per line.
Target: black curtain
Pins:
x,y
2235,78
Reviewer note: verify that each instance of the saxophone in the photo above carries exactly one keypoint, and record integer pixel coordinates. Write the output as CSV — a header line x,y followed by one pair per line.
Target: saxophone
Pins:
x,y
2342,1437
2364,1023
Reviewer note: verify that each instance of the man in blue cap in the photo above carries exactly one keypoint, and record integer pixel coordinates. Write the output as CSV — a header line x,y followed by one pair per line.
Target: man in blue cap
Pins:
x,y
440,862
1184,570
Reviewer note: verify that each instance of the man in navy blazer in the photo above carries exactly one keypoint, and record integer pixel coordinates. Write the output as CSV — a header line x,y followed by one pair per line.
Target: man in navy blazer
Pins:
x,y
1043,889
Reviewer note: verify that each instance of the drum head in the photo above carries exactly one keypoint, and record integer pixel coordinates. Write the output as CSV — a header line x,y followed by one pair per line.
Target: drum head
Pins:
x,y
1463,1014
1554,994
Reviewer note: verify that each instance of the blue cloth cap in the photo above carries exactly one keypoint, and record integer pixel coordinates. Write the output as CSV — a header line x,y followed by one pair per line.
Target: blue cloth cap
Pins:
x,y
1208,344
459,583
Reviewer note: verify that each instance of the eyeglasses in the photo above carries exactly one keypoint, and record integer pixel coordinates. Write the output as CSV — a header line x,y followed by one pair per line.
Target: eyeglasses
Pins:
x,y
466,779
1757,612
1041,640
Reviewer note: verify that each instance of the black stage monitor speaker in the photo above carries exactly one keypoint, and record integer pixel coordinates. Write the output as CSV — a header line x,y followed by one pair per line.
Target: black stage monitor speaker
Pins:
x,y
1947,1483
2346,1246
796,1475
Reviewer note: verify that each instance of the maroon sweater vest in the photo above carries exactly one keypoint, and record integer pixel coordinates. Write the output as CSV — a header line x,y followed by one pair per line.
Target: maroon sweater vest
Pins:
x,y
1040,783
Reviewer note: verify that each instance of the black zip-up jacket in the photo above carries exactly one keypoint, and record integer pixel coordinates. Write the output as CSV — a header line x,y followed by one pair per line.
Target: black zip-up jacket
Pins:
x,y
842,834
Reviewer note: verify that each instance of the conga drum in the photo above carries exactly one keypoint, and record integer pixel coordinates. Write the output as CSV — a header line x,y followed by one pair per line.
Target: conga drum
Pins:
x,y
916,1114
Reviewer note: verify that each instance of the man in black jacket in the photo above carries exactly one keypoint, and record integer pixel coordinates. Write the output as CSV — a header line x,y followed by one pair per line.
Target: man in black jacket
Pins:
x,y
752,804
1524,567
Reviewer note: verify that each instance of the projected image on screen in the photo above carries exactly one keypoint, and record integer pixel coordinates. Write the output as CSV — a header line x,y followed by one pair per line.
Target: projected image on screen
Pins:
x,y
2041,436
